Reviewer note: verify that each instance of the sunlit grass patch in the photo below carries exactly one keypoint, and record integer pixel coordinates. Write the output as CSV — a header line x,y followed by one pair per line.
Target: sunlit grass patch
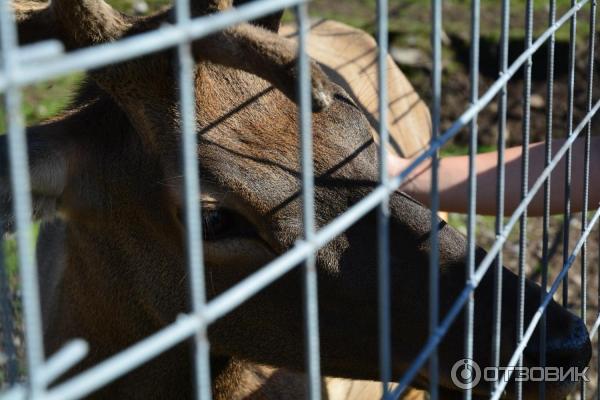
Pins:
x,y
44,100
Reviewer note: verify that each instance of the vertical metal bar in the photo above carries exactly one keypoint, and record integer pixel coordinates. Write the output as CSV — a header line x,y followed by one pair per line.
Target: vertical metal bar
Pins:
x,y
524,184
547,187
311,309
192,208
471,223
436,99
383,212
568,161
586,172
6,309
20,184
500,182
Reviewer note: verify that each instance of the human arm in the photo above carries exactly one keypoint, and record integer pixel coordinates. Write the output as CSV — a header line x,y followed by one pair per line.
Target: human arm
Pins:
x,y
454,174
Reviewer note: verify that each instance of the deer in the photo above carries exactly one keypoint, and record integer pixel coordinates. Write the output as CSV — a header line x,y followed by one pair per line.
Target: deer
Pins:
x,y
106,180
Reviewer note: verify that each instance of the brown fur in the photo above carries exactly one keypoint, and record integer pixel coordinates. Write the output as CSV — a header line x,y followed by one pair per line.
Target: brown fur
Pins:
x,y
110,169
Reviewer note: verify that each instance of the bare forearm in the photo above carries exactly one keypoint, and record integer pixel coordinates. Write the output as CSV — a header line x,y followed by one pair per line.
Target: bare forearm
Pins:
x,y
453,182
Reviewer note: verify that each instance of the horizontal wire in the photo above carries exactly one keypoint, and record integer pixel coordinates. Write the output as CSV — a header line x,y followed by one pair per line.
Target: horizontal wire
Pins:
x,y
142,44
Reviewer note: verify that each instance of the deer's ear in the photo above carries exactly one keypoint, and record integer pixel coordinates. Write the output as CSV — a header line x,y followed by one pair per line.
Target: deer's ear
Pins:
x,y
267,55
48,152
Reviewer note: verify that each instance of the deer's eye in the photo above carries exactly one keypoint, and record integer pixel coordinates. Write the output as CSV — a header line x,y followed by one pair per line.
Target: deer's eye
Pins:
x,y
223,223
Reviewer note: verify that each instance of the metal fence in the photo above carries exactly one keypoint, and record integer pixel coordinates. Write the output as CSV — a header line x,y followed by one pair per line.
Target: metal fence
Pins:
x,y
21,66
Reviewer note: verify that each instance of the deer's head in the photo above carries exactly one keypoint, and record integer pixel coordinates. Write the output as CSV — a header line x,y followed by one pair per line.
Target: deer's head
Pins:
x,y
111,168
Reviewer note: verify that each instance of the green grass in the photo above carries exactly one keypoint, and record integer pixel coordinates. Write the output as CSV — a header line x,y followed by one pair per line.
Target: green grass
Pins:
x,y
10,255
127,5
44,100
452,149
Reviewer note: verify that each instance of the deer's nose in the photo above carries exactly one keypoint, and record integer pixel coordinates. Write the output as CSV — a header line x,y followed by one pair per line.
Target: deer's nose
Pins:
x,y
567,347
573,350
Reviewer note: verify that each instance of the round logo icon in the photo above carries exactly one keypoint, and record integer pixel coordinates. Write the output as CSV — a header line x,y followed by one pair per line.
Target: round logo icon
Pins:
x,y
465,374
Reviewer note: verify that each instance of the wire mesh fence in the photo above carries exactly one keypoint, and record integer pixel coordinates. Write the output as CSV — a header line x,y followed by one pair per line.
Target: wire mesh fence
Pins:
x,y
33,63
